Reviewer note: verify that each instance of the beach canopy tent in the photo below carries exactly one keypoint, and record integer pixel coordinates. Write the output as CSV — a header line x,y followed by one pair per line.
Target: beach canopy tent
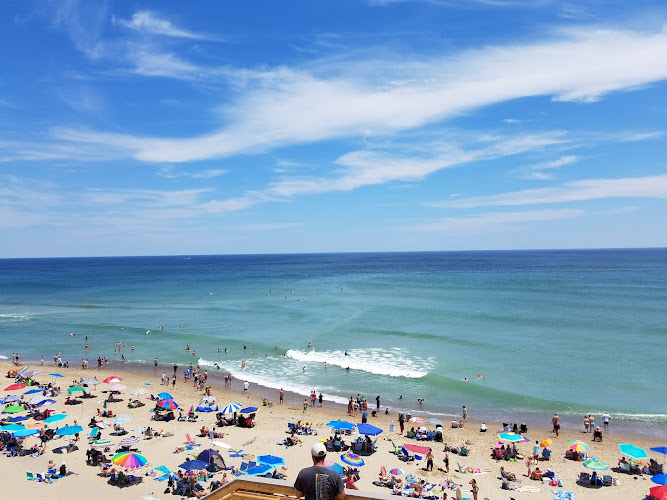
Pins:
x,y
207,404
209,455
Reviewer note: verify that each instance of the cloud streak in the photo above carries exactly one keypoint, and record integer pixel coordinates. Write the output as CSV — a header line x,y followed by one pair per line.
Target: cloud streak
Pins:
x,y
147,22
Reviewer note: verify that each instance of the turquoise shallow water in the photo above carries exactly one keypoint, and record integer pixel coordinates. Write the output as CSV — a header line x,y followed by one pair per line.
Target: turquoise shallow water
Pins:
x,y
571,332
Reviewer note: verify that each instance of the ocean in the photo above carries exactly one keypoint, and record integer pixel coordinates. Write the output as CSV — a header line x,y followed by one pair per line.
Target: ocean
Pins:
x,y
572,332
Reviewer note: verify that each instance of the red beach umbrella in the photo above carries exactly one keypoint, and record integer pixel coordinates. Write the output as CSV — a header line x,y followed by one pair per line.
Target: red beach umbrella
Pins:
x,y
112,380
14,387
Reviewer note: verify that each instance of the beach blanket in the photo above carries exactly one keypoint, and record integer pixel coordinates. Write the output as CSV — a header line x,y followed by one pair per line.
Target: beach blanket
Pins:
x,y
563,495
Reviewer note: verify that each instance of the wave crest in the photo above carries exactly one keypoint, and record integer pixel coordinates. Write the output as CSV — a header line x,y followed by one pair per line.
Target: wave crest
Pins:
x,y
392,362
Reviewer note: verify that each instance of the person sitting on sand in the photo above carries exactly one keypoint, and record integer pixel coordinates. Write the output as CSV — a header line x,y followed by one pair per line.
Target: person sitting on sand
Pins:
x,y
507,475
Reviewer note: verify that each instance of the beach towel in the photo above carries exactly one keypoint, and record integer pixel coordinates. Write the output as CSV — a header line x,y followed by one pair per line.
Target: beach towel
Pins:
x,y
563,495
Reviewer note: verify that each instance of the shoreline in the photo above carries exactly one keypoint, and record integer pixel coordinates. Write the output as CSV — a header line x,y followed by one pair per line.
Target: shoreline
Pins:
x,y
618,427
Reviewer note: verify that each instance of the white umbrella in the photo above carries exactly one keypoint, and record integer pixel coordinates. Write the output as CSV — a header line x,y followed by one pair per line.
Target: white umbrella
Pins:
x,y
231,408
139,391
102,425
91,381
122,419
37,399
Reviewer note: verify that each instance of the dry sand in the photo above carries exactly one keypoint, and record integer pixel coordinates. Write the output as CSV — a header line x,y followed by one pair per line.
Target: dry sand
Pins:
x,y
271,426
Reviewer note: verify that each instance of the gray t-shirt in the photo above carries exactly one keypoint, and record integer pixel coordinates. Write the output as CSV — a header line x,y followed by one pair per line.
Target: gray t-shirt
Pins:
x,y
319,483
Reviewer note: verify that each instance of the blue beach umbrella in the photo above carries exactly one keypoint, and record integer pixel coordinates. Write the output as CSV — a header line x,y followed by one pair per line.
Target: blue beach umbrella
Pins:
x,y
434,421
193,465
259,470
512,437
21,433
11,427
249,409
18,419
271,460
340,425
659,479
165,395
368,429
69,430
46,402
338,468
32,391
56,375
633,451
660,449
55,418
231,408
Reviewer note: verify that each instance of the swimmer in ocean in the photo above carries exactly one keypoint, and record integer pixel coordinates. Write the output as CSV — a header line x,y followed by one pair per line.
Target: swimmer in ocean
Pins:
x,y
217,366
480,376
218,349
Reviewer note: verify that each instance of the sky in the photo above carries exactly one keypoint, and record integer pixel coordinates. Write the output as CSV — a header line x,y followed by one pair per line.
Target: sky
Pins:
x,y
171,128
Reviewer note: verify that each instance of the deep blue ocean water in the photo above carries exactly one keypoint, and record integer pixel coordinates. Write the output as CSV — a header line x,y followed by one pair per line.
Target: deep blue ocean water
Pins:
x,y
573,332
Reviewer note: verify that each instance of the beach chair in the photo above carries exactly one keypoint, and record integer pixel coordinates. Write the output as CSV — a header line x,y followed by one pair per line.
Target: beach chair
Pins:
x,y
30,476
189,439
406,456
607,481
463,451
546,454
383,473
94,433
497,454
243,468
113,478
584,478
357,447
624,468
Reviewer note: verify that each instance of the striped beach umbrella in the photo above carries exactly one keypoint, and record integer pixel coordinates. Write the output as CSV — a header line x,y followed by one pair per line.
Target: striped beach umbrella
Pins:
x,y
396,472
122,419
117,388
13,398
231,408
129,441
352,459
512,437
129,460
112,380
167,404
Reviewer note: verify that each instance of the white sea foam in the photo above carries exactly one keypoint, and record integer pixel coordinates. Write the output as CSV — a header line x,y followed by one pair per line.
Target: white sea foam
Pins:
x,y
2,356
273,380
15,316
391,362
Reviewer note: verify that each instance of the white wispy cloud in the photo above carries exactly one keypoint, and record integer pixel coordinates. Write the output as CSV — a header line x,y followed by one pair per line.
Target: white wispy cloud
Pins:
x,y
147,22
537,171
583,190
493,221
285,106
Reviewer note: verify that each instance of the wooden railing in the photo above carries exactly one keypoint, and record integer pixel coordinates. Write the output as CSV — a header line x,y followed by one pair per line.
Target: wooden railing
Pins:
x,y
261,488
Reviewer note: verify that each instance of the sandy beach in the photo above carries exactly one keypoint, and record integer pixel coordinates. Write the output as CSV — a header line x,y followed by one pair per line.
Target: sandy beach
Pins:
x,y
271,426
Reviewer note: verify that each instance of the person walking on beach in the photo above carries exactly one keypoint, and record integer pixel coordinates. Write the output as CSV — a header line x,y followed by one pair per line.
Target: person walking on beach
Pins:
x,y
605,417
305,405
474,488
465,414
586,422
318,482
246,385
401,422
377,400
282,395
320,399
446,460
429,460
554,420
173,381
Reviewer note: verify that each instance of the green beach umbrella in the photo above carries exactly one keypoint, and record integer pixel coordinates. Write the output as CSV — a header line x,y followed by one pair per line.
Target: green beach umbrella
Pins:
x,y
75,389
12,409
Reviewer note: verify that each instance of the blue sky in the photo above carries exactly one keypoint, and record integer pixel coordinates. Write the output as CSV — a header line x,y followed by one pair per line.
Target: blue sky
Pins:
x,y
145,128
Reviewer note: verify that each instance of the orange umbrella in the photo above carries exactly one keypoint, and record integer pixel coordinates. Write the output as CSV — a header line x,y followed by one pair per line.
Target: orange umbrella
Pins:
x,y
546,443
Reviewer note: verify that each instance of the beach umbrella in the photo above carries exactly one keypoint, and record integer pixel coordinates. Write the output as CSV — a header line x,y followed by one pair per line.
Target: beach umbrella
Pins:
x,y
122,419
31,373
13,398
660,449
37,399
259,470
129,460
165,395
512,437
231,408
368,429
396,472
12,409
32,391
417,420
193,465
595,464
659,492
12,427
340,425
271,460
55,418
117,388
91,381
112,380
167,404
578,446
69,430
633,451
13,420
15,387
35,425
101,444
129,441
102,425
659,479
434,421
139,391
56,375
21,433
546,443
337,468
352,459
46,402
249,409
76,388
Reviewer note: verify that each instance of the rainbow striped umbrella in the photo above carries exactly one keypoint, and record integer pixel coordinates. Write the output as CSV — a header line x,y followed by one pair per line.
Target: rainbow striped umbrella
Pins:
x,y
352,459
396,472
578,446
129,460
